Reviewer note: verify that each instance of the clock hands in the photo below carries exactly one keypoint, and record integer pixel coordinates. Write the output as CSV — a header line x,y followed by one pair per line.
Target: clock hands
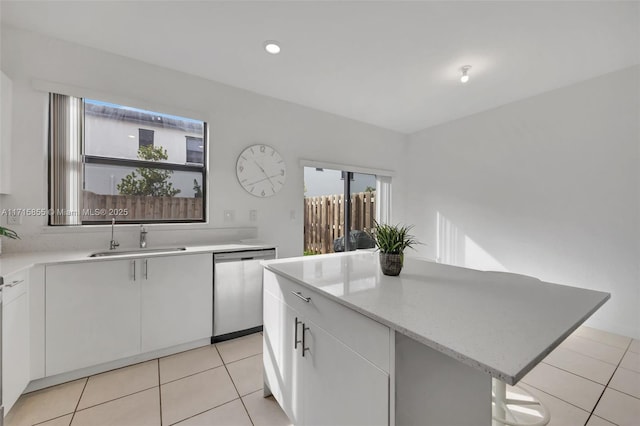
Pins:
x,y
268,177
265,173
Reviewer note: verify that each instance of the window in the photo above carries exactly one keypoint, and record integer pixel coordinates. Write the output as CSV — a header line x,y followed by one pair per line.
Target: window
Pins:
x,y
145,137
98,171
195,150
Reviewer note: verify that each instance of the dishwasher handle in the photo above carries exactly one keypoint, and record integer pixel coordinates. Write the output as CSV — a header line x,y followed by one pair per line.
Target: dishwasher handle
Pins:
x,y
244,256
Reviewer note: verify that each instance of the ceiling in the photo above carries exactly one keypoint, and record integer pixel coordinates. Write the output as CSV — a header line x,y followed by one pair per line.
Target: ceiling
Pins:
x,y
392,64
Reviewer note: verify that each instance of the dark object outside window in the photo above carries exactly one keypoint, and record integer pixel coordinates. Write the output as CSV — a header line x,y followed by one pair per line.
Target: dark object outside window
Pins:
x,y
195,150
145,137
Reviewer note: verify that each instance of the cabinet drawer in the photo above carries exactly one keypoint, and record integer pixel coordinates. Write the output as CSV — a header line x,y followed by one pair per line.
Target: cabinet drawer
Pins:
x,y
19,287
365,336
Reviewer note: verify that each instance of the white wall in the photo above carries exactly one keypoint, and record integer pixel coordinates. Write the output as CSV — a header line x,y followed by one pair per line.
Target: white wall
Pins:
x,y
237,118
548,186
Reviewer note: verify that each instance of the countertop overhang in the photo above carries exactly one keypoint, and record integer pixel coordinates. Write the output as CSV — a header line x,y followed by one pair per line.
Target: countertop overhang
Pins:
x,y
501,323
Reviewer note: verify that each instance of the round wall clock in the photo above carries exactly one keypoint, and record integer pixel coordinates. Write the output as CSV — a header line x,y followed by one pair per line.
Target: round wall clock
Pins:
x,y
261,170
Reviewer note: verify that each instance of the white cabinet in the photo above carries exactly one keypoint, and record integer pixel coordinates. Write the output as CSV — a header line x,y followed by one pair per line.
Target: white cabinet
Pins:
x,y
324,363
6,106
177,300
102,311
281,358
92,314
340,386
15,338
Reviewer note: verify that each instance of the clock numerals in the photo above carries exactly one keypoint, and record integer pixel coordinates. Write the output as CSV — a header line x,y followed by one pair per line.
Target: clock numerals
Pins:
x,y
261,170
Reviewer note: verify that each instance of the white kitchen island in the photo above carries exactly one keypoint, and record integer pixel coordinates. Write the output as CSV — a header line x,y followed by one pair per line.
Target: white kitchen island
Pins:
x,y
346,345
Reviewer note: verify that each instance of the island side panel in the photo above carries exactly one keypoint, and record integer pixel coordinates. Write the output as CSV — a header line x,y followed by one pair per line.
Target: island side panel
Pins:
x,y
433,388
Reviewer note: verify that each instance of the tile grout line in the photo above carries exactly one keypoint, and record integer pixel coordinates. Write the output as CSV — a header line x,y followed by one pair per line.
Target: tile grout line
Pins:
x,y
115,399
191,375
212,368
607,385
575,374
557,397
86,382
205,411
235,387
159,391
239,359
592,357
603,343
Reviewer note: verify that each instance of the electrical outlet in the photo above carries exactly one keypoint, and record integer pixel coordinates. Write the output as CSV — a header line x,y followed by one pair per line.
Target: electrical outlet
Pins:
x,y
253,215
229,215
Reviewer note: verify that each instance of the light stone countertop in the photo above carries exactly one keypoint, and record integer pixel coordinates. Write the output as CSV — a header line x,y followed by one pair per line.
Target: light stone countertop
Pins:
x,y
501,323
15,262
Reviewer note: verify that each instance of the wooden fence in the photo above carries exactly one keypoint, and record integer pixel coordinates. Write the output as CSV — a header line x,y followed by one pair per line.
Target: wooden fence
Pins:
x,y
324,218
98,207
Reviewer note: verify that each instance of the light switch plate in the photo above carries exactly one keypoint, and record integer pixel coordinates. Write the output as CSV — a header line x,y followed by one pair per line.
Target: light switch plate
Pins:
x,y
253,215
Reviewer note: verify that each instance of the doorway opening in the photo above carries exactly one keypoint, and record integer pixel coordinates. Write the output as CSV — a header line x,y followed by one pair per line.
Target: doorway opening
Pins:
x,y
338,202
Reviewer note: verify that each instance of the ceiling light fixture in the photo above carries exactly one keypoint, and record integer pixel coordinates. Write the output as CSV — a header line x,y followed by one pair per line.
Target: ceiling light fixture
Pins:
x,y
272,47
465,73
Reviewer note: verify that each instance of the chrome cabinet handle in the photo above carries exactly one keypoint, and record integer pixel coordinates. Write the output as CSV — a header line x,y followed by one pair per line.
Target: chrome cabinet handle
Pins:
x,y
295,334
146,269
133,262
304,345
298,294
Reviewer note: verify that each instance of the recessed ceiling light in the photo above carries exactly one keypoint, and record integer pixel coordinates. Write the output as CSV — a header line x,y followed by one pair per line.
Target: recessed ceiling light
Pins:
x,y
465,73
272,46
132,137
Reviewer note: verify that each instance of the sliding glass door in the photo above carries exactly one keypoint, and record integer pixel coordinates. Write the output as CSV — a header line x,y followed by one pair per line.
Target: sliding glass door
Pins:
x,y
339,210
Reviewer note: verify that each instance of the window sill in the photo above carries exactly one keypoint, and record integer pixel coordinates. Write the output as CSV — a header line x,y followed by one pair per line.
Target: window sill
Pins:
x,y
82,229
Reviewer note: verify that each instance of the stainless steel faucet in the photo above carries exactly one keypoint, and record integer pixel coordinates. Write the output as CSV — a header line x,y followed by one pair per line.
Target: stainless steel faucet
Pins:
x,y
113,244
143,237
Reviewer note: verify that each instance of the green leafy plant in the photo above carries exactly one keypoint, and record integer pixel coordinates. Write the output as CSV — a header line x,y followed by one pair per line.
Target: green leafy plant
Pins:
x,y
6,232
197,189
147,180
393,239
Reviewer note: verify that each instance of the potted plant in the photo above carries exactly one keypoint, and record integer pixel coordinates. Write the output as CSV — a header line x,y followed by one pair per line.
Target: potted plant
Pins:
x,y
6,232
391,241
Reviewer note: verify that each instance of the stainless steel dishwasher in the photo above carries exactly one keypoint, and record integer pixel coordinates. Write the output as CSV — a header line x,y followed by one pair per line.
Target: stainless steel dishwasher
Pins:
x,y
237,293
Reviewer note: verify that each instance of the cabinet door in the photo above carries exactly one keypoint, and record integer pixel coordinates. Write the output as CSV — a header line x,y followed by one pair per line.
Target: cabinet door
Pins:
x,y
280,357
177,300
15,344
92,314
341,387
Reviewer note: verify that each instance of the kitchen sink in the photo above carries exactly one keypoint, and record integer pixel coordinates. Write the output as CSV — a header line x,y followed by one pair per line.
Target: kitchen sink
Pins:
x,y
136,251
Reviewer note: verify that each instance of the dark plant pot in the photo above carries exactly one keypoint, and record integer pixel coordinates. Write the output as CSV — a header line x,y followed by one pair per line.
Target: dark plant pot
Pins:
x,y
391,264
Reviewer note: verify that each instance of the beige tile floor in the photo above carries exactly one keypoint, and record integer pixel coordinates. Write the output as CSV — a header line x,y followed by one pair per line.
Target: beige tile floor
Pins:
x,y
592,379
219,384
